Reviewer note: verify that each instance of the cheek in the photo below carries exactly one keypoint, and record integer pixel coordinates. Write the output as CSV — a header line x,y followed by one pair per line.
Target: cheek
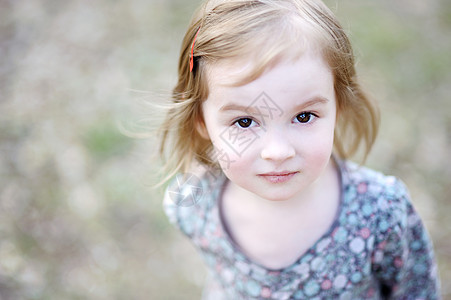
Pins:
x,y
319,146
234,161
231,161
233,146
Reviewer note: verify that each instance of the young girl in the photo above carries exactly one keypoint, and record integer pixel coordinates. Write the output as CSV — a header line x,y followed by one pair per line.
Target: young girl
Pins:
x,y
266,112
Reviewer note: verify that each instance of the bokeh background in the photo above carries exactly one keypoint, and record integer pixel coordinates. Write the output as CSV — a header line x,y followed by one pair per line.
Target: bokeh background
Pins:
x,y
78,216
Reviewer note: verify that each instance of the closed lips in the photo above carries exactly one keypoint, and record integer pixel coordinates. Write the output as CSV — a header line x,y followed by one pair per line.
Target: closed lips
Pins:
x,y
278,174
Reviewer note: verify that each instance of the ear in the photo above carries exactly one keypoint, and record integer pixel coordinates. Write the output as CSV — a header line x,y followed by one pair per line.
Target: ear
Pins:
x,y
202,129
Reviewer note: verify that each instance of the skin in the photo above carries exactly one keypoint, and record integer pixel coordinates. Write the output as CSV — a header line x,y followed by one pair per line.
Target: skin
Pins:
x,y
278,161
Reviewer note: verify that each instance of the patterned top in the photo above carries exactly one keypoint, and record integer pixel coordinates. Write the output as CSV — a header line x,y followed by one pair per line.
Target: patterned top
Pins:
x,y
377,247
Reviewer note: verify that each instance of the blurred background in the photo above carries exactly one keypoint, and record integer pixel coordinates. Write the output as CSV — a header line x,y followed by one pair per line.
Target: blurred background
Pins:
x,y
78,216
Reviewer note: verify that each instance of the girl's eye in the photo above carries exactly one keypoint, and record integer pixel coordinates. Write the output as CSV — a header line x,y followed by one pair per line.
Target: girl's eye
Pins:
x,y
244,122
305,117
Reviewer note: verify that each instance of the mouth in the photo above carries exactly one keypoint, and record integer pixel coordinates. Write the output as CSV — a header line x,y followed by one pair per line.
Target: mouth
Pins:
x,y
278,177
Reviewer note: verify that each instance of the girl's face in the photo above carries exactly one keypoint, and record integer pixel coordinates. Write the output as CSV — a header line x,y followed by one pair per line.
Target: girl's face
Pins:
x,y
273,137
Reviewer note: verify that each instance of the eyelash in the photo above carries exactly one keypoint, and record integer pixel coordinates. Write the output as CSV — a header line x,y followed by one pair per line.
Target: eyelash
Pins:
x,y
236,122
311,117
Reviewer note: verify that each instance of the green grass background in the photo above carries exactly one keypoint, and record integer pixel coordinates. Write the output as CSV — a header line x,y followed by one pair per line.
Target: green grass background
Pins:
x,y
78,216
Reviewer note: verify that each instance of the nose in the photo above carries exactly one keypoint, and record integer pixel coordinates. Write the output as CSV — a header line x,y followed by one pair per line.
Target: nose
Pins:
x,y
277,146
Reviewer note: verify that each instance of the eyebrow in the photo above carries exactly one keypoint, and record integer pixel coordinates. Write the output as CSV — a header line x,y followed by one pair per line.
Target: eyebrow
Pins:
x,y
255,108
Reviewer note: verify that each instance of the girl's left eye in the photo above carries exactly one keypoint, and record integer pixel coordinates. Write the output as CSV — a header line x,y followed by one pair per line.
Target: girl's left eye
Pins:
x,y
305,117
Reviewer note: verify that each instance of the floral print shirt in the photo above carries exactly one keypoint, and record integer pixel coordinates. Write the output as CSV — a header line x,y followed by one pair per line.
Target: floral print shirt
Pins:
x,y
377,247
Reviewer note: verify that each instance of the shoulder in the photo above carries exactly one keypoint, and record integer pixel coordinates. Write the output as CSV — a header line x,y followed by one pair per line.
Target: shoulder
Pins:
x,y
372,183
384,198
402,251
189,198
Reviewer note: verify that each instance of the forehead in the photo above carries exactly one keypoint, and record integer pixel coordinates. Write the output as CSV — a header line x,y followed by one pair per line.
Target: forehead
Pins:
x,y
302,75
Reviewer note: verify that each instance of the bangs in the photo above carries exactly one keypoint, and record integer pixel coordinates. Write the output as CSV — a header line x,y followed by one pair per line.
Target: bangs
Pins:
x,y
266,35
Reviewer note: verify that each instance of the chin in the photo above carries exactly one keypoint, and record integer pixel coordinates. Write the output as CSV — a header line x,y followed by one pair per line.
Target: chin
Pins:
x,y
276,196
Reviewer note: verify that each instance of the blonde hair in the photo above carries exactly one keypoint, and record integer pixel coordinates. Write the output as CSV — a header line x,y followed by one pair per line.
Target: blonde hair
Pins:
x,y
239,28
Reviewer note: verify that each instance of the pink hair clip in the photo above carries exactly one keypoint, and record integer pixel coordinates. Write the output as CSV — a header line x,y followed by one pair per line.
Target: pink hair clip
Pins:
x,y
191,60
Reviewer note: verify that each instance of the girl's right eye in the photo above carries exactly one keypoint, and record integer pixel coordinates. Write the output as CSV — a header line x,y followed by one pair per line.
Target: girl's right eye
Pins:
x,y
245,122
